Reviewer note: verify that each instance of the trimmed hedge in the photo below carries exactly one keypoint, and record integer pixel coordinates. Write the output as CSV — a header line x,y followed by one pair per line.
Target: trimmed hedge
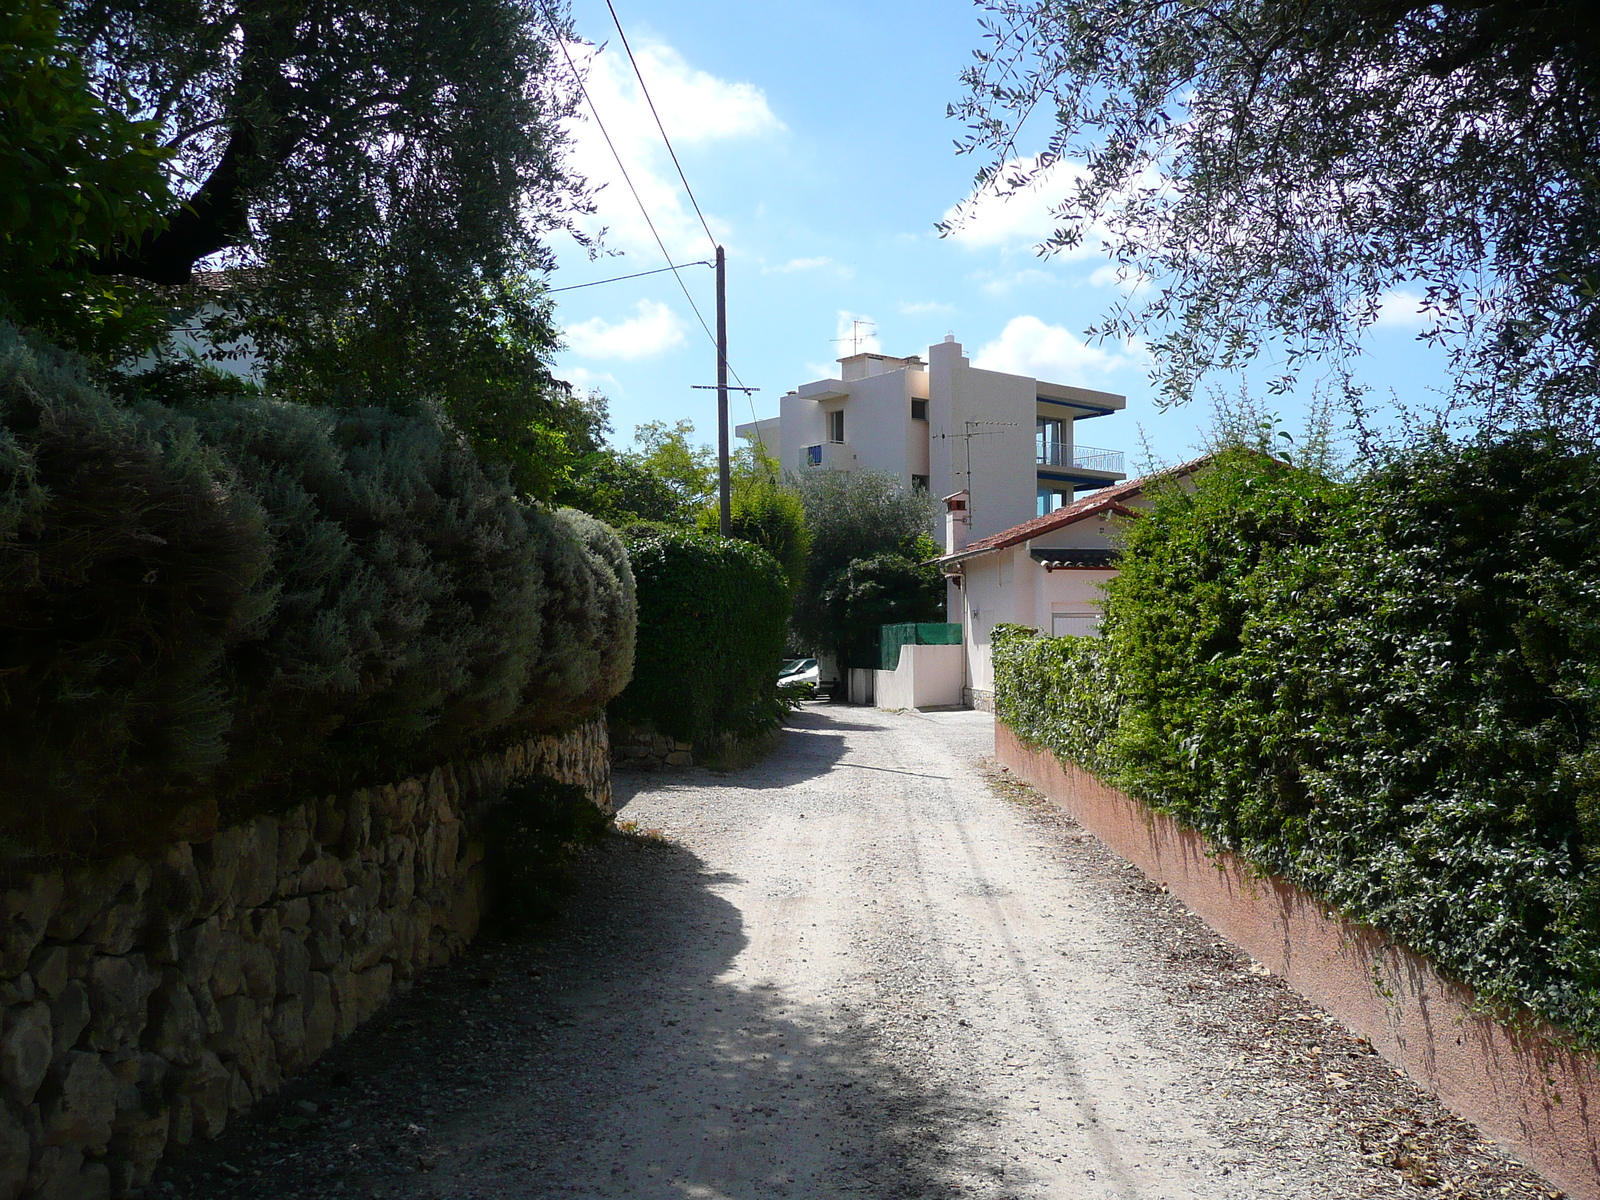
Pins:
x,y
712,617
236,599
1386,691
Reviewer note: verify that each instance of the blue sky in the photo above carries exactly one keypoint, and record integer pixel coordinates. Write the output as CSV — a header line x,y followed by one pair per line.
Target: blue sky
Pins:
x,y
815,138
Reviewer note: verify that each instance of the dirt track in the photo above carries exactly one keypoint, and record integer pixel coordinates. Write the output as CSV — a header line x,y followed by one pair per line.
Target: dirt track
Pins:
x,y
863,968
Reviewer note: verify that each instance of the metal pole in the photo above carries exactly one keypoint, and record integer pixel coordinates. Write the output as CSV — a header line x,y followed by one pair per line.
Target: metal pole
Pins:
x,y
724,503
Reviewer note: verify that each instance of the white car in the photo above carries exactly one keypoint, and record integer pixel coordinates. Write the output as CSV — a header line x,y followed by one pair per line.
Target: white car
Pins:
x,y
796,671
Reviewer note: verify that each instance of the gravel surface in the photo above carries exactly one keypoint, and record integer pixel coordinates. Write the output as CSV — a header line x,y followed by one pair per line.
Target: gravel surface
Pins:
x,y
871,966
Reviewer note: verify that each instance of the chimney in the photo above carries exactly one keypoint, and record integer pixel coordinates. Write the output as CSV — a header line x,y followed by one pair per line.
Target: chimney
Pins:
x,y
957,522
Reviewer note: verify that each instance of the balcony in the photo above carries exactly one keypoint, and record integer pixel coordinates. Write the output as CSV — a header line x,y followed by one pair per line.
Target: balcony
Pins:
x,y
1079,458
827,456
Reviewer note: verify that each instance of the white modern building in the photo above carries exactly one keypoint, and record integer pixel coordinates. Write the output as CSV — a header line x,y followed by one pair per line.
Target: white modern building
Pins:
x,y
1008,441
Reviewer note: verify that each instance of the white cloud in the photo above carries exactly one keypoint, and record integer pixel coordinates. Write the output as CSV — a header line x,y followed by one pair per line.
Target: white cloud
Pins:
x,y
1002,284
1399,308
582,379
1027,346
655,330
917,308
853,338
802,264
1011,219
1125,279
697,109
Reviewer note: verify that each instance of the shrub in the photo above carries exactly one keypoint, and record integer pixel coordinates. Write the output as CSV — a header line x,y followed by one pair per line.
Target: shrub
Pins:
x,y
711,625
321,598
869,593
129,567
531,837
1385,691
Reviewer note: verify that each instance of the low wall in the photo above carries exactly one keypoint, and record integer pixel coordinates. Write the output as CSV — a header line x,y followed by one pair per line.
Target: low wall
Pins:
x,y
146,1000
1523,1085
925,677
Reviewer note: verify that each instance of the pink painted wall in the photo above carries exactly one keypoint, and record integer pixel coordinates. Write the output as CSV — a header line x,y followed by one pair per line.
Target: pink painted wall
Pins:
x,y
1524,1086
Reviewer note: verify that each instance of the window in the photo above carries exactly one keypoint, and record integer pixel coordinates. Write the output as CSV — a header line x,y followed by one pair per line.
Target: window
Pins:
x,y
1053,441
836,425
919,482
810,456
1075,624
919,410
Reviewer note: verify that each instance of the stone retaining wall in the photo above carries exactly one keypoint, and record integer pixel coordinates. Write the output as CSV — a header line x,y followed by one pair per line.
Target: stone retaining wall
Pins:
x,y
1524,1085
642,748
146,1000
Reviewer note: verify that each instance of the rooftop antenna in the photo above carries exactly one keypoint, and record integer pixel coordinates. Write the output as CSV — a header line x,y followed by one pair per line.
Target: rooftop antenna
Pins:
x,y
856,336
975,429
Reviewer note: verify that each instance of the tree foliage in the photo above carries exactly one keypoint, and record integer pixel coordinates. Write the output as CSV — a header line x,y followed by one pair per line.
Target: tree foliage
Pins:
x,y
1385,689
83,179
857,517
1280,168
388,173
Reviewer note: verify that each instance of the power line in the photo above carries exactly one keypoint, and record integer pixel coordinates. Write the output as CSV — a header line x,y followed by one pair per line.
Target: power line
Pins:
x,y
639,75
572,287
639,200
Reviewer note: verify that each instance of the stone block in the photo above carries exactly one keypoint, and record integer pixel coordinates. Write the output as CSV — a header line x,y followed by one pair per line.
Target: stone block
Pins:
x,y
259,964
241,1034
370,990
372,941
78,1102
26,1050
180,1126
15,1155
50,969
227,975
366,881
320,1019
175,892
110,894
325,873
176,1030
119,987
60,1173
357,822
288,1030
256,878
345,1008
399,871
240,1097
294,914
198,947
294,964
25,914
69,1016
294,840
206,1085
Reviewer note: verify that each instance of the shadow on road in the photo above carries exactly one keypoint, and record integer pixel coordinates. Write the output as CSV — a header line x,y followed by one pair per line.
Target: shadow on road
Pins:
x,y
607,1056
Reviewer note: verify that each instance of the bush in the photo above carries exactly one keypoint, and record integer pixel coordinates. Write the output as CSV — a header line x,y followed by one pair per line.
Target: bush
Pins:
x,y
129,567
248,600
712,613
869,593
531,837
1386,691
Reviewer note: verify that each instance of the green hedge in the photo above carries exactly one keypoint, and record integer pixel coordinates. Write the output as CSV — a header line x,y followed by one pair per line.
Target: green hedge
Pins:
x,y
712,617
232,598
1386,690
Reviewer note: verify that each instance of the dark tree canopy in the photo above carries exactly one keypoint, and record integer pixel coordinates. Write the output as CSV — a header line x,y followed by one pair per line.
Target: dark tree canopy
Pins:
x,y
386,172
1276,166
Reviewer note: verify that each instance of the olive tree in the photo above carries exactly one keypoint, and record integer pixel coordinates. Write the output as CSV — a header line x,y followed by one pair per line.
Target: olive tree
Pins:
x,y
1277,168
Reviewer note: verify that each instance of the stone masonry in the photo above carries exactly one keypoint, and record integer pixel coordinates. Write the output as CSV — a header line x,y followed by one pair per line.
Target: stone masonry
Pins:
x,y
147,1000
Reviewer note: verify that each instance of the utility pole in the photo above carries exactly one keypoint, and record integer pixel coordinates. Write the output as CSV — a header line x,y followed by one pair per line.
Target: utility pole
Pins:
x,y
724,500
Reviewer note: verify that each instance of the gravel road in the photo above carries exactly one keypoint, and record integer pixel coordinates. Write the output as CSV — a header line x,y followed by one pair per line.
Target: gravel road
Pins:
x,y
870,966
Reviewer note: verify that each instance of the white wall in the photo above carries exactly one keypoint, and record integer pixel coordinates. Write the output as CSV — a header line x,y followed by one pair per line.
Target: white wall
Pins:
x,y
927,677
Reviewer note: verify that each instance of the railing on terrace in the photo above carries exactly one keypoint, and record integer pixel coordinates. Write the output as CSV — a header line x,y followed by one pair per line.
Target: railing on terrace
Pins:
x,y
1084,458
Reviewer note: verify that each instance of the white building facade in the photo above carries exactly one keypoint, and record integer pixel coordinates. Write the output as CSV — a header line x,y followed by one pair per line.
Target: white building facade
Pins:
x,y
1008,441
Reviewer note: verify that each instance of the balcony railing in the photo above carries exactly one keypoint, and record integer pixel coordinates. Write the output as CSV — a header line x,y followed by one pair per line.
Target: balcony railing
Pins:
x,y
1083,458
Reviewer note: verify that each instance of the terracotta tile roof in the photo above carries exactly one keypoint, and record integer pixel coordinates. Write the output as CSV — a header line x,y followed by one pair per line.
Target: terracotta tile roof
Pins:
x,y
1107,499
